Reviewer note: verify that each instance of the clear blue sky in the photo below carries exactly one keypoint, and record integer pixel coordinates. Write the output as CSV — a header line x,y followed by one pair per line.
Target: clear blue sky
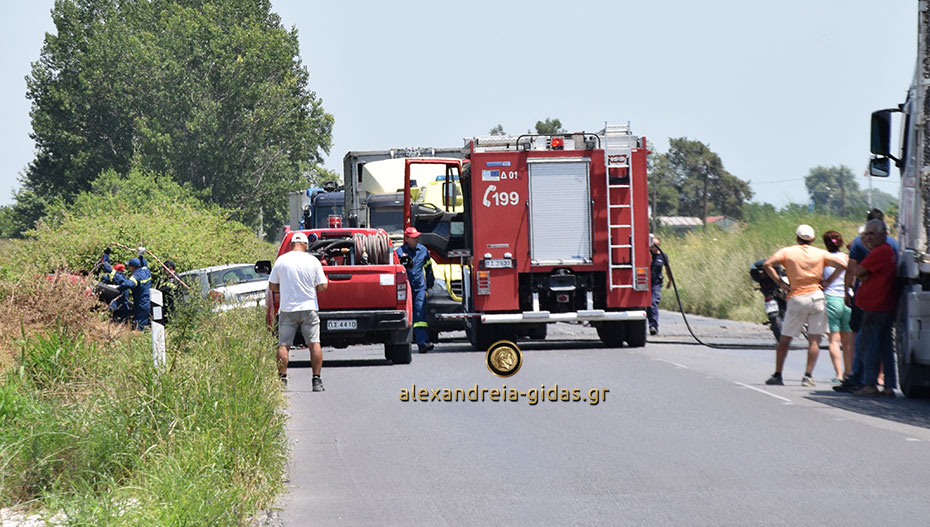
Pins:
x,y
774,88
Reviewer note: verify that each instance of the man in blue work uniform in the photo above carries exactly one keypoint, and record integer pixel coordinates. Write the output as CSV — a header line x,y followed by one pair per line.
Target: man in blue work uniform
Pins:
x,y
420,276
114,275
139,282
659,260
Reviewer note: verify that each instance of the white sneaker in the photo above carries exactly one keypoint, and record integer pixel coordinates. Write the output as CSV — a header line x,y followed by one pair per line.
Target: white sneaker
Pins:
x,y
807,381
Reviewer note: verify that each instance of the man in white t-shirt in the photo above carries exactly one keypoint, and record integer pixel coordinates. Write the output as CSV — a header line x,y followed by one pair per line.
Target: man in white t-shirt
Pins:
x,y
298,275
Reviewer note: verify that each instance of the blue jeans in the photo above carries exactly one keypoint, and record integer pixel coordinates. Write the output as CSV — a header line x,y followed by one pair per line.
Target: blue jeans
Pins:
x,y
877,347
652,312
856,376
420,328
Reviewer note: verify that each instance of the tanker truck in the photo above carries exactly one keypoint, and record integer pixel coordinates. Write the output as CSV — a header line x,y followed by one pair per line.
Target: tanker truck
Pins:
x,y
912,159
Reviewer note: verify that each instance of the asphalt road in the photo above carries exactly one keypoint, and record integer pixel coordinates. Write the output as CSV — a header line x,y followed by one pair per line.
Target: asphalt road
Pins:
x,y
686,435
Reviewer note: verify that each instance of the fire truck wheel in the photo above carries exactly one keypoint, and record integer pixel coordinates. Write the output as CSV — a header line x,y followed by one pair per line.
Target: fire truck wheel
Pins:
x,y
612,334
538,332
398,353
636,333
483,335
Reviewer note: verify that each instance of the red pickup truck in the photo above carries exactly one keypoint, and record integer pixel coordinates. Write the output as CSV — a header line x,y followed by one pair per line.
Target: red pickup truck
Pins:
x,y
366,301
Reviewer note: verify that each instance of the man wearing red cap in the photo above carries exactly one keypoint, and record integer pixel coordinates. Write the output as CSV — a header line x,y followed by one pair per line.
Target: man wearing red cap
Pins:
x,y
420,275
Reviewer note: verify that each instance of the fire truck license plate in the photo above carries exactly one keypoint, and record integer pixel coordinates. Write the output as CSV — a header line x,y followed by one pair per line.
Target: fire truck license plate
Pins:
x,y
341,324
771,307
497,263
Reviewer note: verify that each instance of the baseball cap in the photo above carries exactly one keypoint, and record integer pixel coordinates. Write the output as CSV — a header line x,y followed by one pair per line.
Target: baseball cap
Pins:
x,y
135,262
805,232
299,237
411,232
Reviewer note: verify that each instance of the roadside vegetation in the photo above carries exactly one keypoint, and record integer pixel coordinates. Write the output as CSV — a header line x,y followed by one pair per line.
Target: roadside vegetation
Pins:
x,y
711,268
88,428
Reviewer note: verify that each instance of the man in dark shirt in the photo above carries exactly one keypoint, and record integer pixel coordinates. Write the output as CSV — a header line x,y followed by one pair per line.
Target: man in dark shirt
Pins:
x,y
857,253
659,260
877,297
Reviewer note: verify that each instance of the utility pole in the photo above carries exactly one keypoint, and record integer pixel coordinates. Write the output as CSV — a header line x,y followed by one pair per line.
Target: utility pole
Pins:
x,y
704,218
842,197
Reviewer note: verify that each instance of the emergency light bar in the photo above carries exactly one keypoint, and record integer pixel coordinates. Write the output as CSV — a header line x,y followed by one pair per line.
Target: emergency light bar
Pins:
x,y
498,143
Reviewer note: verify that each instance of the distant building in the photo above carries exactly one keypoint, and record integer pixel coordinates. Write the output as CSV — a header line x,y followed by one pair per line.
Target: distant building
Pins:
x,y
689,223
680,223
724,222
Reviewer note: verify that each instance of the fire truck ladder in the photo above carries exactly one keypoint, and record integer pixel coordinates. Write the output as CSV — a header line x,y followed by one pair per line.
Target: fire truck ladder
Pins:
x,y
618,148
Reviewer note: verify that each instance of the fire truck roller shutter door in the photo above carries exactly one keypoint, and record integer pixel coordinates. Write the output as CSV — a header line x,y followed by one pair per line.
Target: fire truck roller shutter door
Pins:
x,y
560,211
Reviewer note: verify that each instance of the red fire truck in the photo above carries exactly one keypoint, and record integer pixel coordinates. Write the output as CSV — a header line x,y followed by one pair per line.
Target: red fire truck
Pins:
x,y
555,228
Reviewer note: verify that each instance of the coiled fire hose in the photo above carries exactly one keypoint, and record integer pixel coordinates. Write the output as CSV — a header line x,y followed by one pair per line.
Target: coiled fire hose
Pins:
x,y
375,247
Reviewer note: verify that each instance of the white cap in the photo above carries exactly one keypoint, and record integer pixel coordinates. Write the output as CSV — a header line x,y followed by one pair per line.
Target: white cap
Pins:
x,y
299,237
805,232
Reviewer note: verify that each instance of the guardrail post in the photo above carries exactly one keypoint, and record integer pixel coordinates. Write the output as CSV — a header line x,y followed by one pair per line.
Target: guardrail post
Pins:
x,y
158,330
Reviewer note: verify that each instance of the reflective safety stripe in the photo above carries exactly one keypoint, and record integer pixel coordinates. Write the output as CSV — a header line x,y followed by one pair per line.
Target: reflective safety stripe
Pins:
x,y
134,281
427,263
149,279
420,324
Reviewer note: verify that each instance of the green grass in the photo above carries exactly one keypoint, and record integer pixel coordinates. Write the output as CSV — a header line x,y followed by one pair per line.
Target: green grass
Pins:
x,y
95,432
711,269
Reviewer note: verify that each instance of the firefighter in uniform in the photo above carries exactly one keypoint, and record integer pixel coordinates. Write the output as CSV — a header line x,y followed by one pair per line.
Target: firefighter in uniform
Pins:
x,y
170,289
415,258
139,282
113,274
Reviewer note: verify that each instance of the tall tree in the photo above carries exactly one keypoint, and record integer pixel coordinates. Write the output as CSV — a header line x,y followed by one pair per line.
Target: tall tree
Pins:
x,y
209,92
701,185
834,190
497,130
831,188
549,126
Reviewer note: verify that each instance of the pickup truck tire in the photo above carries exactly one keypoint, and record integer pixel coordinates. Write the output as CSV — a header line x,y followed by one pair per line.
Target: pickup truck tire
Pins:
x,y
398,353
635,333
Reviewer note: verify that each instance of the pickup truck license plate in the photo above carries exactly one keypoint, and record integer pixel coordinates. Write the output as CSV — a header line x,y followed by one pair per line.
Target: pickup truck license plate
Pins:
x,y
498,263
341,324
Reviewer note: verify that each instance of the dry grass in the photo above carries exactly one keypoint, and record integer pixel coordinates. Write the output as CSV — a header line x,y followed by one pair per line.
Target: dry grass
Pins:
x,y
32,305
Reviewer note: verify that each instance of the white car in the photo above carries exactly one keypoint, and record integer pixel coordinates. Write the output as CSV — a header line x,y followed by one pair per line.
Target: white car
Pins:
x,y
233,285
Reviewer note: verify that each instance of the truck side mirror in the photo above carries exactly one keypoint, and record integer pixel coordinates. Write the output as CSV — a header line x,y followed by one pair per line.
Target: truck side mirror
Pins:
x,y
263,267
448,195
881,133
880,167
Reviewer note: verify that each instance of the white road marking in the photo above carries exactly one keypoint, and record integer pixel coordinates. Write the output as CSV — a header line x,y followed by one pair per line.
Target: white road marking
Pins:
x,y
911,439
673,363
770,394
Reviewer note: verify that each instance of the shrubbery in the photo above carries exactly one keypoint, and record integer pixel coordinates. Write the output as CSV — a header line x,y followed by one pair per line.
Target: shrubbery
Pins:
x,y
138,209
88,428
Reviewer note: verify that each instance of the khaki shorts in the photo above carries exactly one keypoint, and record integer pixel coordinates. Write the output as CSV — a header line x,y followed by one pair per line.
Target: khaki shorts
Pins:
x,y
810,309
289,321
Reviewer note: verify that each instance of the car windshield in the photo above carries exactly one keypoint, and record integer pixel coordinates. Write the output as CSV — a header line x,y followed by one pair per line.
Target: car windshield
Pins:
x,y
391,219
321,220
235,275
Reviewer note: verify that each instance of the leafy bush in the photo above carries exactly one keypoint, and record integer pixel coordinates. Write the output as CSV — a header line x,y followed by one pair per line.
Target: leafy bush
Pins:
x,y
138,209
